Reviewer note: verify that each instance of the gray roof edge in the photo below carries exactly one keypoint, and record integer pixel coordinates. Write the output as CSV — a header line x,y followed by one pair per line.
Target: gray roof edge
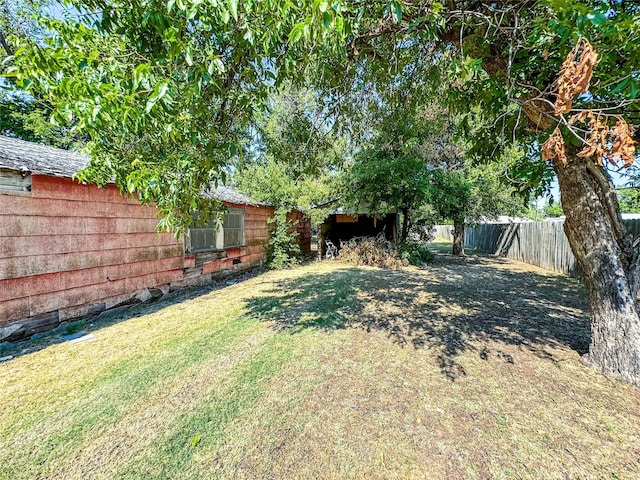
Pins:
x,y
23,156
232,195
29,157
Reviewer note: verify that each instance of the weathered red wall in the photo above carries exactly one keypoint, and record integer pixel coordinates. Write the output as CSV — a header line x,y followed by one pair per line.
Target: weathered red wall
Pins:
x,y
256,234
65,246
68,249
303,227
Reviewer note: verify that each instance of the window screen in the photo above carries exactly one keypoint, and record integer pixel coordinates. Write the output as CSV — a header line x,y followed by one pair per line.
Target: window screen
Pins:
x,y
203,237
233,228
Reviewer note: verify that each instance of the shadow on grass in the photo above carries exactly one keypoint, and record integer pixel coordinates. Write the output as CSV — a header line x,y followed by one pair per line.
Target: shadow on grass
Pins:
x,y
85,326
452,307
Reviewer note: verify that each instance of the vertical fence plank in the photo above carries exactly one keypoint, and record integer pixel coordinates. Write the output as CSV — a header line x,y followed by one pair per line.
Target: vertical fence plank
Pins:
x,y
543,244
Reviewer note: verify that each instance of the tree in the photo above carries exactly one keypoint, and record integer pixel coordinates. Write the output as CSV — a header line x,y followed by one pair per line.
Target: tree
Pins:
x,y
25,117
288,162
385,182
553,210
471,194
21,114
528,66
419,165
165,90
571,128
629,199
426,189
16,20
162,89
451,197
390,173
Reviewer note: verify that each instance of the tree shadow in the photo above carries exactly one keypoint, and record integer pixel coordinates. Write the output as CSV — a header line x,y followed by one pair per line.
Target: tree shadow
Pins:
x,y
501,238
453,306
127,311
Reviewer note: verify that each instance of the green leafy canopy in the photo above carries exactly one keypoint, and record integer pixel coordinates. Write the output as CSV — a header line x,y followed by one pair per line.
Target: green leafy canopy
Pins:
x,y
165,89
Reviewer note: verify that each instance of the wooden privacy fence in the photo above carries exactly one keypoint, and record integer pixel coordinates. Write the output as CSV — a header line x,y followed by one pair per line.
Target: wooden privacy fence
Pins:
x,y
443,231
538,243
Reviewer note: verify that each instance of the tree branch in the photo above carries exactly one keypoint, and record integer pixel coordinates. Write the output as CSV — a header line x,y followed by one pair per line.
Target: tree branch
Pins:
x,y
8,48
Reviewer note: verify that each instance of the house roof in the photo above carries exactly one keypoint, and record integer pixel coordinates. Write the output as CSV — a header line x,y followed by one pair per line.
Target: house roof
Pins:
x,y
29,157
231,195
326,203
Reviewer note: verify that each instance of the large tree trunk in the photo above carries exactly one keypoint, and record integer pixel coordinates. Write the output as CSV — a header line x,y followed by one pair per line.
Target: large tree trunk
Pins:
x,y
604,251
458,237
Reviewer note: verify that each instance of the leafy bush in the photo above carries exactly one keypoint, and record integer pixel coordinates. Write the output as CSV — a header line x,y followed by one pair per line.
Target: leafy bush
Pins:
x,y
283,250
415,253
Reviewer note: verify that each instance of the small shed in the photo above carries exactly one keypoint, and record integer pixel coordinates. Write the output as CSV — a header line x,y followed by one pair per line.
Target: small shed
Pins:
x,y
70,250
343,224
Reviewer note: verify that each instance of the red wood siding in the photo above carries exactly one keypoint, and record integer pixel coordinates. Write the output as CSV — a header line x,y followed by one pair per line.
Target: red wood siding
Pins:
x,y
67,249
256,227
303,227
67,246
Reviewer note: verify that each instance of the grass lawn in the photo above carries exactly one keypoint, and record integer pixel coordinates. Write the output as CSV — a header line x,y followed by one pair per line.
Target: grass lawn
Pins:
x,y
468,368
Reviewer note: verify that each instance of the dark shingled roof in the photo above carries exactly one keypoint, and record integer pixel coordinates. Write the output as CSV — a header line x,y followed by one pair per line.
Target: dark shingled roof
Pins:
x,y
231,195
29,157
34,158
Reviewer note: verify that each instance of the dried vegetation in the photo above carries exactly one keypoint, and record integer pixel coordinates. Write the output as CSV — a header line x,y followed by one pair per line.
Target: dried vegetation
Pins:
x,y
371,252
575,75
613,143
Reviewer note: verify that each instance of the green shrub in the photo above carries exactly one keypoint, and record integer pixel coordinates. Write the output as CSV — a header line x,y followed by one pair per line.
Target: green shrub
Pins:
x,y
283,250
415,253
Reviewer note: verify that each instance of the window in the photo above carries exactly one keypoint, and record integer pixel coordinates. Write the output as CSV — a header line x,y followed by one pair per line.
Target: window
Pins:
x,y
204,237
213,236
233,228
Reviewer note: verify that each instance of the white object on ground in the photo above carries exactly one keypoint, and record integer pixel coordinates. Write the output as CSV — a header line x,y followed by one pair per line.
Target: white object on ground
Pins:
x,y
84,338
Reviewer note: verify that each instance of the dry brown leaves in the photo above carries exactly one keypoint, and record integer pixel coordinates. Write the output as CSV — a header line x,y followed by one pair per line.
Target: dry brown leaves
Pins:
x,y
624,146
597,140
575,75
372,252
554,147
615,144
